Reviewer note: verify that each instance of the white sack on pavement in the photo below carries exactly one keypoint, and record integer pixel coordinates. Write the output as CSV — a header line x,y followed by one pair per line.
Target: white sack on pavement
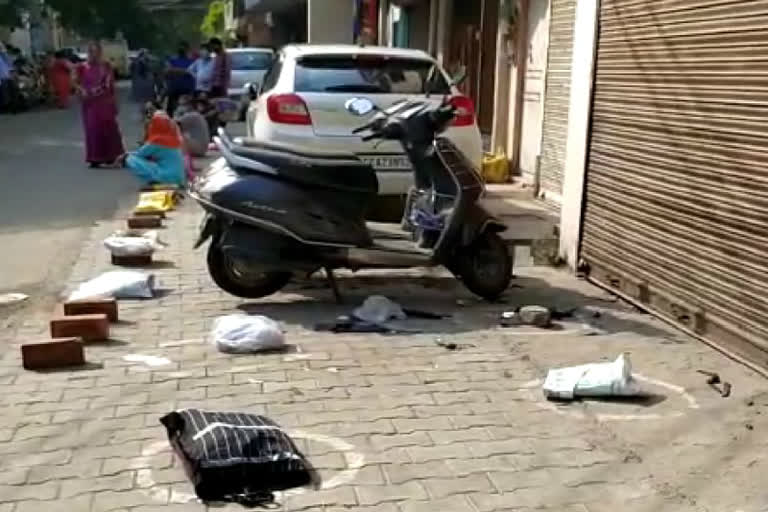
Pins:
x,y
378,310
592,380
120,284
245,334
122,245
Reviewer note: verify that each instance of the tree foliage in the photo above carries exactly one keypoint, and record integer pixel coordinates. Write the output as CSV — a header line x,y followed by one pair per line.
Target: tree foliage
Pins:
x,y
10,11
214,23
104,19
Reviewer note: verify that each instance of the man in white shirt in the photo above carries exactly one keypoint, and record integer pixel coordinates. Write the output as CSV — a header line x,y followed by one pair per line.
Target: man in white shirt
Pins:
x,y
202,70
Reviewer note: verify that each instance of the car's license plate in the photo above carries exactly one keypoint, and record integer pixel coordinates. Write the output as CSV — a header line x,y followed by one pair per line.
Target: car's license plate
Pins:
x,y
385,162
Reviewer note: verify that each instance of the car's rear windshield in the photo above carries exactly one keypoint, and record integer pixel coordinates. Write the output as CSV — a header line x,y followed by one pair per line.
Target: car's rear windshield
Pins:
x,y
251,61
369,74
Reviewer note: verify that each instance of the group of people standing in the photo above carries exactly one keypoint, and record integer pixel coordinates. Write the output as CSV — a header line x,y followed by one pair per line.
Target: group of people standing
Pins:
x,y
48,77
161,157
206,71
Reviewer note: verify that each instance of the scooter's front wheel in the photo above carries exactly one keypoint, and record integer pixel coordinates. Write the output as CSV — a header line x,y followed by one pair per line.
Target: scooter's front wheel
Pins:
x,y
242,280
485,267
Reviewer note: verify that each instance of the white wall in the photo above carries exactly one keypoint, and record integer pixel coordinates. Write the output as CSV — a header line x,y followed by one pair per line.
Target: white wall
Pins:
x,y
331,21
582,68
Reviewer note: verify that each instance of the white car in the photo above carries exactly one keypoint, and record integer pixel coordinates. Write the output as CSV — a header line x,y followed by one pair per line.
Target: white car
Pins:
x,y
305,100
249,65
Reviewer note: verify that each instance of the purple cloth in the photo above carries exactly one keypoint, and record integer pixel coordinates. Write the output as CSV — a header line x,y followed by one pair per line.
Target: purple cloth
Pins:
x,y
103,141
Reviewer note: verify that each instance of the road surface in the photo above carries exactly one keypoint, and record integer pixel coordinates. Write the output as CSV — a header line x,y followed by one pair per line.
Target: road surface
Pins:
x,y
49,197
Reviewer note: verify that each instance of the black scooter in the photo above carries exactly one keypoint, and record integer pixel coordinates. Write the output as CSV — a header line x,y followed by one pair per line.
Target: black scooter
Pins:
x,y
274,210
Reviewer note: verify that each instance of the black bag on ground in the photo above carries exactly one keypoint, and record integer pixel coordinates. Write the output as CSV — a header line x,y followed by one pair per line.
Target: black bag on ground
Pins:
x,y
236,457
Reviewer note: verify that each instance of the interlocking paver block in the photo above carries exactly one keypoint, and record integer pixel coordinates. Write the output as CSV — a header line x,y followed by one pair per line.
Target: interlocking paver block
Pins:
x,y
76,504
385,442
409,425
400,473
458,485
110,500
459,436
339,497
44,473
14,476
375,494
44,491
452,504
75,487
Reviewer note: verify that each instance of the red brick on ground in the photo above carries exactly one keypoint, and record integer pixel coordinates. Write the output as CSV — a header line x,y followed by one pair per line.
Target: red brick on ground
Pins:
x,y
88,327
145,222
53,354
132,261
149,214
106,306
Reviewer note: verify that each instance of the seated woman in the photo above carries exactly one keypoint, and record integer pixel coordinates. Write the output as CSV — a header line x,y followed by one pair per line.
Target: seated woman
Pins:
x,y
160,160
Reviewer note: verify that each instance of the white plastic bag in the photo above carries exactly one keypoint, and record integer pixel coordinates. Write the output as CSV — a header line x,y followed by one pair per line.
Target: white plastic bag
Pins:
x,y
122,244
378,310
120,284
245,334
592,380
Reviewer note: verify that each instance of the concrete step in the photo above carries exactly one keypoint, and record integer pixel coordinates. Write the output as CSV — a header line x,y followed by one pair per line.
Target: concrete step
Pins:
x,y
533,229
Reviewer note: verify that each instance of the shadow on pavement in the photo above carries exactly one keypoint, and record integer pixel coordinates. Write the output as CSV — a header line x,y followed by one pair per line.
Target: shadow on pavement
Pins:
x,y
311,302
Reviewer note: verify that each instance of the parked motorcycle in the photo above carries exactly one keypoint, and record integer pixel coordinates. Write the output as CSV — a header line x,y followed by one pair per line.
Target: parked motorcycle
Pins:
x,y
274,210
30,84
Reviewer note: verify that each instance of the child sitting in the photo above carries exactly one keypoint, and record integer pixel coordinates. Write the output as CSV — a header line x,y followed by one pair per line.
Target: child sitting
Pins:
x,y
160,160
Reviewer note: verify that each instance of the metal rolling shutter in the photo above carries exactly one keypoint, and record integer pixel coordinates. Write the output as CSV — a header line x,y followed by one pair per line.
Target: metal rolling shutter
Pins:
x,y
557,98
677,181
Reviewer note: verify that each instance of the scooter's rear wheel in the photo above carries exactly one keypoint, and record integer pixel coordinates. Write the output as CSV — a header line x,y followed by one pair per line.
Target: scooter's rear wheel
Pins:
x,y
485,267
242,280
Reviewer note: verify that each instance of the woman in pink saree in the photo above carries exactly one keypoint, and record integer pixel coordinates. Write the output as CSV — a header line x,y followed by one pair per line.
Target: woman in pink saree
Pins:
x,y
103,141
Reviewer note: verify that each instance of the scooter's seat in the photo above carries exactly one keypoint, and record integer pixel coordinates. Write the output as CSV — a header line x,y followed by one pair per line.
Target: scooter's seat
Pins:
x,y
335,170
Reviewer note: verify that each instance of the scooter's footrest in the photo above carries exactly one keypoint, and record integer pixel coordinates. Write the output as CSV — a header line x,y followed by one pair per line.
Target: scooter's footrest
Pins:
x,y
384,231
404,246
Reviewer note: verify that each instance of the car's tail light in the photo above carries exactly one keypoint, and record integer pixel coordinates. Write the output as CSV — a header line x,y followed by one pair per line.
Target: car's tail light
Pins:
x,y
288,109
465,111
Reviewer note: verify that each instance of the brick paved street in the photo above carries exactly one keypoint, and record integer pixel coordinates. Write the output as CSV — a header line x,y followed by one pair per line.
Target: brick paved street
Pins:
x,y
393,423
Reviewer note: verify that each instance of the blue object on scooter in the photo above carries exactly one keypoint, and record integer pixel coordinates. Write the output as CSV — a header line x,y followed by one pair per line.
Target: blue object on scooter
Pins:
x,y
427,221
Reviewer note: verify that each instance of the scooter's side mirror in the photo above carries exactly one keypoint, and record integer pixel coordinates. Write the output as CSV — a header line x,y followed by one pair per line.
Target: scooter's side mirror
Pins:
x,y
253,90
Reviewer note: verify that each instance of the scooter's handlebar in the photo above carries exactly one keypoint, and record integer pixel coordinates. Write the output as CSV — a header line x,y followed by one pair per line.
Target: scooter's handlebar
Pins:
x,y
409,120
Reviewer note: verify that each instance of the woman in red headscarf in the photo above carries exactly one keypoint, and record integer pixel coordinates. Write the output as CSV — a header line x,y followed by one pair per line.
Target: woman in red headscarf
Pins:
x,y
61,79
160,160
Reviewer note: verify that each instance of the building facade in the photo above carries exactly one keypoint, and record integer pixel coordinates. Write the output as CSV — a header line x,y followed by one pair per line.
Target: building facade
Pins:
x,y
652,147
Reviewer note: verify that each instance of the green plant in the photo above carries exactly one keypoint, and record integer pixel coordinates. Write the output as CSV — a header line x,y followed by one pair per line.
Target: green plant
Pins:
x,y
214,23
